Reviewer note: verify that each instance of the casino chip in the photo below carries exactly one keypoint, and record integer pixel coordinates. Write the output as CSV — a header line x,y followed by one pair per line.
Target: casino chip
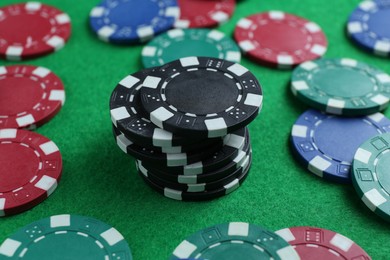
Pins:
x,y
231,151
128,115
164,159
132,21
321,244
200,13
199,196
64,237
31,167
29,96
220,177
370,174
178,43
278,39
32,29
326,144
201,97
234,240
341,86
169,149
369,26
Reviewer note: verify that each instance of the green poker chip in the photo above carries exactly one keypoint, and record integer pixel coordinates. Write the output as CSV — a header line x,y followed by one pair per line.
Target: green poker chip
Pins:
x,y
371,175
63,237
341,86
180,43
234,240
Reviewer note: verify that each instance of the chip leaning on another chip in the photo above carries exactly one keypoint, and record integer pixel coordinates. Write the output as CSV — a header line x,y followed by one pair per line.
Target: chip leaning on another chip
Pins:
x,y
371,174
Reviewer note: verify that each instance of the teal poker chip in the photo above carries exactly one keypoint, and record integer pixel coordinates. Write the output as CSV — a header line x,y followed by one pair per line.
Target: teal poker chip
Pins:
x,y
181,43
234,240
371,175
341,86
63,237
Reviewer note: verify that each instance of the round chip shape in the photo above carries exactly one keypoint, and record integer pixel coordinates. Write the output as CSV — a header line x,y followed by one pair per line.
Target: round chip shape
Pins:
x,y
29,96
32,29
321,243
202,195
371,176
201,97
369,26
341,86
278,39
326,144
66,237
31,167
128,115
180,43
234,240
132,21
200,13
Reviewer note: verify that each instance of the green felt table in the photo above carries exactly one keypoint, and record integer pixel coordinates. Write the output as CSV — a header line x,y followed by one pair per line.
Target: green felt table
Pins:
x,y
100,181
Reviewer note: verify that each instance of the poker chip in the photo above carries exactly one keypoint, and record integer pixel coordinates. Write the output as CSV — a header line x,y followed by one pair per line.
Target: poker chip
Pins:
x,y
41,29
66,237
180,43
30,172
199,196
370,174
197,187
294,39
322,244
200,13
234,240
201,97
368,26
167,150
238,164
317,137
120,21
30,96
164,159
230,152
128,115
327,85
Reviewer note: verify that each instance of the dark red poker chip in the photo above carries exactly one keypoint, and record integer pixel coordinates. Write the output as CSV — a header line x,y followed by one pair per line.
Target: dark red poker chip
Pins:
x,y
31,167
32,29
29,96
202,13
321,244
278,39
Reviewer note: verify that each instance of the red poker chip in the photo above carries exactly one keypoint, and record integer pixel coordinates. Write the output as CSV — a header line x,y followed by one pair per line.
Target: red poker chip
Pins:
x,y
31,167
31,30
281,40
29,96
204,13
321,244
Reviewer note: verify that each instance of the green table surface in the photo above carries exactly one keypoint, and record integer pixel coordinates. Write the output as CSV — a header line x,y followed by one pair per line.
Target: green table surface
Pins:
x,y
100,181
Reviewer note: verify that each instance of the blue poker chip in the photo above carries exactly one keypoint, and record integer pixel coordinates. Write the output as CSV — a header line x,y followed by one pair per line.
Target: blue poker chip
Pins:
x,y
131,21
326,144
369,26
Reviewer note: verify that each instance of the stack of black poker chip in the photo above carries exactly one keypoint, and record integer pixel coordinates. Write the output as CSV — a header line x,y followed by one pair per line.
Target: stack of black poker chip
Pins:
x,y
185,123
